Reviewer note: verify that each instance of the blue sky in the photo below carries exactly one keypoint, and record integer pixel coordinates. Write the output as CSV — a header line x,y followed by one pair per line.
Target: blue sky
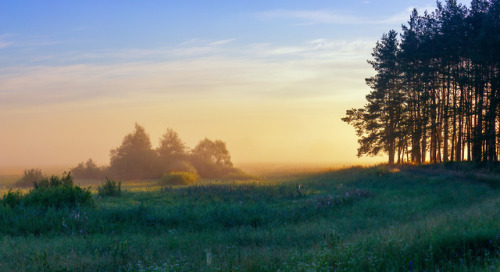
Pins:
x,y
42,32
271,78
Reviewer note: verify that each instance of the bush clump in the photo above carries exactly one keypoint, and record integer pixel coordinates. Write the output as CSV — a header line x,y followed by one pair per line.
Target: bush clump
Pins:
x,y
30,177
110,188
51,192
179,178
12,198
54,182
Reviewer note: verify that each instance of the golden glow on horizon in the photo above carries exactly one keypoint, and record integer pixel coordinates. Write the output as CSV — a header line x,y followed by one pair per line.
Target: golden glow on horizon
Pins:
x,y
291,133
283,111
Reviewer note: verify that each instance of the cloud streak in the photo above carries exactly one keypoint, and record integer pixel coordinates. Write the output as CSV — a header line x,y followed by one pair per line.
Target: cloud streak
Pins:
x,y
335,17
255,70
404,16
222,42
3,42
311,16
318,49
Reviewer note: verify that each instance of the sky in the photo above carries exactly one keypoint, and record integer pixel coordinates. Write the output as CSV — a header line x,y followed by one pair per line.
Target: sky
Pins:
x,y
271,78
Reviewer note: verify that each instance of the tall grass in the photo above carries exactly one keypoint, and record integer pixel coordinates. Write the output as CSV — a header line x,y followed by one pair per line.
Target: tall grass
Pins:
x,y
110,188
360,219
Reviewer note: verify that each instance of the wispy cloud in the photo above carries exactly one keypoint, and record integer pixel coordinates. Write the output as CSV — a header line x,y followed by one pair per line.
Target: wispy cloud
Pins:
x,y
248,71
3,41
6,41
404,15
221,42
336,17
311,16
319,50
194,48
36,43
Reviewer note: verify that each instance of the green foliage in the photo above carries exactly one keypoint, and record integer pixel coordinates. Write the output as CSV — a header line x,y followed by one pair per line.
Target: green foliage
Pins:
x,y
12,198
58,197
52,192
179,178
30,177
120,255
110,188
54,181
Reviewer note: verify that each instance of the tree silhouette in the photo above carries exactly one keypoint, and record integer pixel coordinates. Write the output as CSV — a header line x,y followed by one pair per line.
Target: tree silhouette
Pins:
x,y
436,92
88,170
171,148
211,158
377,124
134,158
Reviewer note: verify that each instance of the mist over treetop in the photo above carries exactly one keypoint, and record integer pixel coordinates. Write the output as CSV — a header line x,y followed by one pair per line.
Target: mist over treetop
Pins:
x,y
135,158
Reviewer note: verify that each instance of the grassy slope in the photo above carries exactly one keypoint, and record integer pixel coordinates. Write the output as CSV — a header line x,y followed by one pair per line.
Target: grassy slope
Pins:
x,y
356,219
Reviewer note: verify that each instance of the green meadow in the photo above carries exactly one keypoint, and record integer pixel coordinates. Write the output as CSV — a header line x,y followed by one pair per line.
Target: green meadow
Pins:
x,y
432,218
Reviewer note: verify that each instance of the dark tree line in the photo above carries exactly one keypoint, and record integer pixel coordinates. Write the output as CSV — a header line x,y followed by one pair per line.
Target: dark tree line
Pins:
x,y
135,158
436,93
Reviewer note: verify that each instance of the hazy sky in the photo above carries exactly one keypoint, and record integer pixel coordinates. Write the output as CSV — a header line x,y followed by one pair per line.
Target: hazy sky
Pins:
x,y
270,78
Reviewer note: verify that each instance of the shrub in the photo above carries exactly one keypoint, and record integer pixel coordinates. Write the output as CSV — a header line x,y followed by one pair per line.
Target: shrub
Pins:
x,y
59,197
54,181
12,198
51,192
110,188
30,177
179,178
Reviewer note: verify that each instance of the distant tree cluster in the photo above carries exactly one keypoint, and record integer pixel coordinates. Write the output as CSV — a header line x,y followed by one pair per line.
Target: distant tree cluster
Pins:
x,y
30,177
135,158
436,92
89,170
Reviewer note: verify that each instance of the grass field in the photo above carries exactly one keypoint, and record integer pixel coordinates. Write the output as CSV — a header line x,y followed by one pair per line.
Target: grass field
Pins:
x,y
359,219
